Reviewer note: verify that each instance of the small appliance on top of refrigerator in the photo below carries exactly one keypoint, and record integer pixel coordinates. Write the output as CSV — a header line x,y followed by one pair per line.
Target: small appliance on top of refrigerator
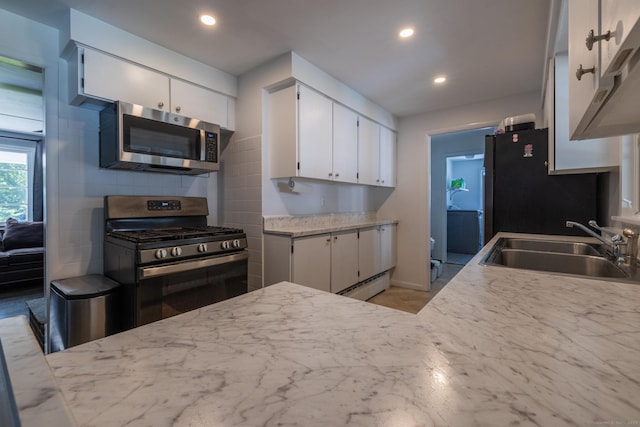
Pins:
x,y
520,195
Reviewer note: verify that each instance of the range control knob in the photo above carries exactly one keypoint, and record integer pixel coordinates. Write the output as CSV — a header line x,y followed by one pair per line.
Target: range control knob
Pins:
x,y
161,253
202,247
176,251
236,243
225,245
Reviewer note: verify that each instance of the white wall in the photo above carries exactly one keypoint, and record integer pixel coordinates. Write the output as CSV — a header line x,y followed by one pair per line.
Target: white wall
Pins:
x,y
410,202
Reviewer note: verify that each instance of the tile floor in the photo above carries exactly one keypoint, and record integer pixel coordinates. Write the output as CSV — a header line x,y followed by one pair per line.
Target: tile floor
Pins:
x,y
412,300
13,300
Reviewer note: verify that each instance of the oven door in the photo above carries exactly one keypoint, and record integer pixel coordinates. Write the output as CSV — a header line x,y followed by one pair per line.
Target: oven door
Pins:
x,y
170,289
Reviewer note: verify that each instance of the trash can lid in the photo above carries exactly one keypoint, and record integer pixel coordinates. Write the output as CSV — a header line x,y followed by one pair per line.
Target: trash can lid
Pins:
x,y
92,285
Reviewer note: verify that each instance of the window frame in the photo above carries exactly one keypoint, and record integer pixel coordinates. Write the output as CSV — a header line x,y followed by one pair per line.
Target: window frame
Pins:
x,y
28,147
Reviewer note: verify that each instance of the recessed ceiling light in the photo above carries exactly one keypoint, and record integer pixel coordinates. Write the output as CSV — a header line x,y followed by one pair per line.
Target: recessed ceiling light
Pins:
x,y
439,80
207,20
406,32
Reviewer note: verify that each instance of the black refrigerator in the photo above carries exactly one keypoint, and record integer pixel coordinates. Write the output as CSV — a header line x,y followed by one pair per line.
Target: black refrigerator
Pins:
x,y
520,195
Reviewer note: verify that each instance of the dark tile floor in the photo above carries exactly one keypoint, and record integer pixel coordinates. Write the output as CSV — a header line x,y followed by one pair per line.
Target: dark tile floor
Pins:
x,y
13,300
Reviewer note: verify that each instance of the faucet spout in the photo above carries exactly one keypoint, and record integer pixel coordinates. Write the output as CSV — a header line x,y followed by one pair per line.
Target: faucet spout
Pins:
x,y
571,224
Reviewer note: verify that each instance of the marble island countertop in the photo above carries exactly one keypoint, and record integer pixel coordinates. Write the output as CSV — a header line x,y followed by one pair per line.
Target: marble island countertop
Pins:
x,y
496,346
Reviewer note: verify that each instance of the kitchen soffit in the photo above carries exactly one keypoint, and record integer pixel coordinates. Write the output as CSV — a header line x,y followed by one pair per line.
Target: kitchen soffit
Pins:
x,y
488,49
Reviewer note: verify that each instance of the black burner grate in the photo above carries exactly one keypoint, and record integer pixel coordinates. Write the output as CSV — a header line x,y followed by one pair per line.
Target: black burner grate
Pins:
x,y
177,233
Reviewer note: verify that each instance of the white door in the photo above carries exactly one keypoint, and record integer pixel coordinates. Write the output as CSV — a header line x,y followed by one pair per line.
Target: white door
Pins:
x,y
345,144
368,253
387,247
114,79
199,103
387,157
344,260
368,152
315,134
311,262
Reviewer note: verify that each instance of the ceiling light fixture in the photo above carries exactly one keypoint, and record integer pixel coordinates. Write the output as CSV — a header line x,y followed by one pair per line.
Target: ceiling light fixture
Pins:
x,y
406,33
208,20
439,80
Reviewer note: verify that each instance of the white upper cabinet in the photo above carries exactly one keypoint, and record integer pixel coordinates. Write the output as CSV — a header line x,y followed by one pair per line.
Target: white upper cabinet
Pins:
x,y
194,101
565,156
96,76
376,154
368,152
300,129
387,158
315,134
112,79
345,144
620,21
604,68
587,88
312,136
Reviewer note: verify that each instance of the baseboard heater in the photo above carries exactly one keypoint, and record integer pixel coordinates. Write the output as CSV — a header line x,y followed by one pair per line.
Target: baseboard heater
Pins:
x,y
369,288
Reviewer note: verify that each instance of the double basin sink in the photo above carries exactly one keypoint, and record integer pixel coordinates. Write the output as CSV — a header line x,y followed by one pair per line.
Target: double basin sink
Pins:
x,y
589,260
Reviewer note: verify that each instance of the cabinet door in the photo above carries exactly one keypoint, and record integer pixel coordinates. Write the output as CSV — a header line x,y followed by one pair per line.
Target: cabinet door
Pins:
x,y
345,144
387,247
368,253
315,134
368,152
569,156
387,157
622,18
199,103
589,92
344,260
114,79
311,262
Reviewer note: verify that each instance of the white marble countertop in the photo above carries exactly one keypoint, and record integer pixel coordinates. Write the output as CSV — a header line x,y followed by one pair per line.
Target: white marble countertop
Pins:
x,y
38,397
496,346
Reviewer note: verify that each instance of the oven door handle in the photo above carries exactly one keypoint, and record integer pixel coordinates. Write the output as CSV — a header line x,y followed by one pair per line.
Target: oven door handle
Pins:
x,y
164,270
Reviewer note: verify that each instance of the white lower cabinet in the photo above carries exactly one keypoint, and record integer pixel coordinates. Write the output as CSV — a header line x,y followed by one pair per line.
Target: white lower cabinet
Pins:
x,y
344,260
388,246
330,262
311,262
368,252
376,250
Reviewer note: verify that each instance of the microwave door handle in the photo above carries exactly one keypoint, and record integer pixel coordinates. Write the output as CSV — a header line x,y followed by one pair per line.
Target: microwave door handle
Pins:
x,y
164,270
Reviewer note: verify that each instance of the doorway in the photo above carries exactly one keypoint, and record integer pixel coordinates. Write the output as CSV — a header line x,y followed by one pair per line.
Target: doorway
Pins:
x,y
21,188
456,198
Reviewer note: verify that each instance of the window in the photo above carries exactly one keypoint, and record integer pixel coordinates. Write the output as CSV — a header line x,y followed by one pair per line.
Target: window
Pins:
x,y
21,132
17,159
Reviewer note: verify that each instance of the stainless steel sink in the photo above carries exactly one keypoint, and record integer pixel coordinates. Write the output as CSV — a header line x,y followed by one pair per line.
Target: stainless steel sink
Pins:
x,y
583,265
555,256
553,246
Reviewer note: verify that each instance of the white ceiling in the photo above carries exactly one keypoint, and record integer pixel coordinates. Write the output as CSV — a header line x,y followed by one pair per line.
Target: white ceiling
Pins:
x,y
487,48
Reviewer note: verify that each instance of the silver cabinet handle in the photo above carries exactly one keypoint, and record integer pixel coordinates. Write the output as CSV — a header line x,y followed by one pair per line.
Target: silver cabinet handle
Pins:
x,y
337,175
178,109
160,105
592,38
582,71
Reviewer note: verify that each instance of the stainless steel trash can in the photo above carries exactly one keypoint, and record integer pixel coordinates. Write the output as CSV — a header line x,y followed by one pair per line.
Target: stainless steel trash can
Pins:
x,y
83,309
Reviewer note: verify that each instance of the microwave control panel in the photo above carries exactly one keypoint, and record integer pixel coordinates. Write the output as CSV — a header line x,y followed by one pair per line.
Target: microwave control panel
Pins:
x,y
211,147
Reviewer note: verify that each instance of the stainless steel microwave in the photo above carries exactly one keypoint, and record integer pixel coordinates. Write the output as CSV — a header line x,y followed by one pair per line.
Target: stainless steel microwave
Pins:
x,y
138,138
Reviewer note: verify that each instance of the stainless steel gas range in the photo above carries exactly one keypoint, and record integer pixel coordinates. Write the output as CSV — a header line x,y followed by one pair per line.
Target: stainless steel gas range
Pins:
x,y
167,258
